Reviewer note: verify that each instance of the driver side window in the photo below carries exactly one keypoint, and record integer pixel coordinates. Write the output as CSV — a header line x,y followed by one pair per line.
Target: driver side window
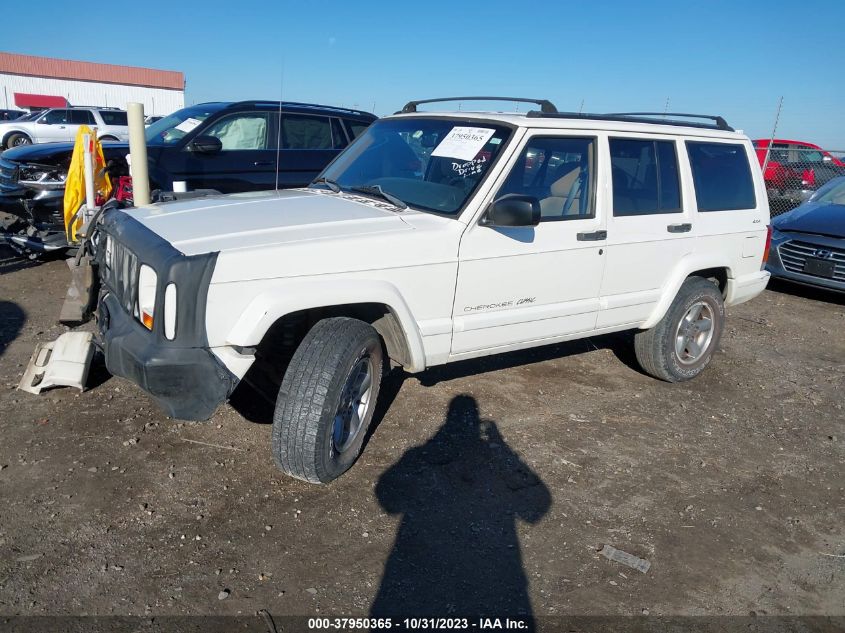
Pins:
x,y
56,117
241,131
560,173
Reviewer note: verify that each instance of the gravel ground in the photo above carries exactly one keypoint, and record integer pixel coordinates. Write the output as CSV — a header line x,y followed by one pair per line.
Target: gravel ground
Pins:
x,y
486,487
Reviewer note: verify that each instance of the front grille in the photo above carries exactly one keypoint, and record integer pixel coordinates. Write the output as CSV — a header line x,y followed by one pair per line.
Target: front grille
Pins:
x,y
8,174
120,273
794,255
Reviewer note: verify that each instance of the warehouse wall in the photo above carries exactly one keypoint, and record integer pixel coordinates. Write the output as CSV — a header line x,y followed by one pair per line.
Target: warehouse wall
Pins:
x,y
157,101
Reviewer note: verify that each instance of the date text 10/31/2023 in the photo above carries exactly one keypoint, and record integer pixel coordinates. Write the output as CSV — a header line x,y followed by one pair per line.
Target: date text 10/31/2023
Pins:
x,y
415,624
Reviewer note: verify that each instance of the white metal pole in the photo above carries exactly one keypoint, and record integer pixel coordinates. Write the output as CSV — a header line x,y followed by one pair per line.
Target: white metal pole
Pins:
x,y
138,154
88,164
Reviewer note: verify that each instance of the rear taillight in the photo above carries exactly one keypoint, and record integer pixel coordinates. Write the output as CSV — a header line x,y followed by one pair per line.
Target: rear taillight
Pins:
x,y
808,178
768,246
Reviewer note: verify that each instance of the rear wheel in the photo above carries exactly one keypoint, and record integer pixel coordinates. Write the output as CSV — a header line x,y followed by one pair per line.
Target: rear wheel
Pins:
x,y
327,399
682,343
17,139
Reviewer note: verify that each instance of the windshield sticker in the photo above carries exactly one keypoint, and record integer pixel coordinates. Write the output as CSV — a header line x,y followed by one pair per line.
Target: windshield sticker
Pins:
x,y
463,143
188,124
470,167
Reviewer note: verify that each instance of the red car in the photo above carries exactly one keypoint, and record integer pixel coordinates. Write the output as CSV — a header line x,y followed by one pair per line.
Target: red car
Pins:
x,y
797,166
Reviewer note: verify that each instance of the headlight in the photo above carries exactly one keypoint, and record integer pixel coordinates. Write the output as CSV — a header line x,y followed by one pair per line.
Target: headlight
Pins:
x,y
147,281
44,176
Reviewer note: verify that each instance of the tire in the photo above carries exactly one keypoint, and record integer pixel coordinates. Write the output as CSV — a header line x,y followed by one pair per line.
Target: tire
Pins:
x,y
680,346
322,391
17,139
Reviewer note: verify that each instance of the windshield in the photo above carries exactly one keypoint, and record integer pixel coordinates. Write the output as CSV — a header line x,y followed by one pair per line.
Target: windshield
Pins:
x,y
431,164
833,192
171,129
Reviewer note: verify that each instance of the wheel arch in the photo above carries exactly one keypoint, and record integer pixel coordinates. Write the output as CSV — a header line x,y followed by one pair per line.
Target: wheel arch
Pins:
x,y
709,268
380,305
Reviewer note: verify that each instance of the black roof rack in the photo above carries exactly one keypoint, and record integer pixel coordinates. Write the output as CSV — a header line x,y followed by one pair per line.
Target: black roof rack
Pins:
x,y
296,104
546,106
720,123
643,117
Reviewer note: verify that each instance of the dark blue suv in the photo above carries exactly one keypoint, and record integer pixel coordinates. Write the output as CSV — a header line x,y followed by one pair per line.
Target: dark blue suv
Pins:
x,y
226,147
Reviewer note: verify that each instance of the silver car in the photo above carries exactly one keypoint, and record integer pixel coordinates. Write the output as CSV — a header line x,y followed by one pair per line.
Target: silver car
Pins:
x,y
61,124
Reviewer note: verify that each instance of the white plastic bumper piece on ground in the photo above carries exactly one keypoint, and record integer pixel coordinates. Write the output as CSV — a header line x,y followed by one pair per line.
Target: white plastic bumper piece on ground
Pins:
x,y
62,363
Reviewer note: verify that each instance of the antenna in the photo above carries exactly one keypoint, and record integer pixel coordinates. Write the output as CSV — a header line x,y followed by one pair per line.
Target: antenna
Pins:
x,y
772,138
666,107
279,123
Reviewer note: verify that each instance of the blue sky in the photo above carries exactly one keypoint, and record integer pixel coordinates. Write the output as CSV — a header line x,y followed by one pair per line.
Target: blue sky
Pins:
x,y
730,58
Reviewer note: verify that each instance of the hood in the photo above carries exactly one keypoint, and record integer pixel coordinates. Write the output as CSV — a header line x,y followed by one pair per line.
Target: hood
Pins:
x,y
57,153
264,218
812,217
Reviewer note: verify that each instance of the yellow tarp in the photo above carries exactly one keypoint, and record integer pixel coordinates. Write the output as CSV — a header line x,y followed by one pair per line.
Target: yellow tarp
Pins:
x,y
75,183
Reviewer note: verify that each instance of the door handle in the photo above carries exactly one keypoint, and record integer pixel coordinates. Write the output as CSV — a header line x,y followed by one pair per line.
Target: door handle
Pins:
x,y
679,228
263,163
595,236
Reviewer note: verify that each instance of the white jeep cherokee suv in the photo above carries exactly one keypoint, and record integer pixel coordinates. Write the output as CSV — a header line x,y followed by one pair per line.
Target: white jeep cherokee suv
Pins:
x,y
434,237
61,124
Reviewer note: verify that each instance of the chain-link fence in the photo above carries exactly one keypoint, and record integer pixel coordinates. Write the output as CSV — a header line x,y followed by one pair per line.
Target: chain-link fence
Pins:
x,y
794,171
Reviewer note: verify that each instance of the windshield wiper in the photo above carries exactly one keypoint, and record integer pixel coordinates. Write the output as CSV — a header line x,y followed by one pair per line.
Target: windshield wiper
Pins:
x,y
376,190
331,184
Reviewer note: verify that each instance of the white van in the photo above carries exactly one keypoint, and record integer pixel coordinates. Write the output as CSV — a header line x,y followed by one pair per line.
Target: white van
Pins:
x,y
435,237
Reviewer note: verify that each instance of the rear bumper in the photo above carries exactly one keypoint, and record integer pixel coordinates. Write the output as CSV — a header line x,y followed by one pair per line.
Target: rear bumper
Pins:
x,y
188,383
746,287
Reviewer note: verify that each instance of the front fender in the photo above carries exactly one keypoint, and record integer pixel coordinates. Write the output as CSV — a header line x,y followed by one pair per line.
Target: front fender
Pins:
x,y
685,267
293,296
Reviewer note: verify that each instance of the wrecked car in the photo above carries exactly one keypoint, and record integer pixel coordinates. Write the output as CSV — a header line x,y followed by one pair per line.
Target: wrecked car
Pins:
x,y
222,147
434,238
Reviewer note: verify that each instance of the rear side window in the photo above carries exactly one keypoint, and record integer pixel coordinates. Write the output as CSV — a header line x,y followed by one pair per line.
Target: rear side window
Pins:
x,y
82,117
301,131
114,117
721,175
645,177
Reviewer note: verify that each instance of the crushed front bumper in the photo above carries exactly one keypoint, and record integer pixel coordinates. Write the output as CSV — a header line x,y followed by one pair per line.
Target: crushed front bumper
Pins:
x,y
187,383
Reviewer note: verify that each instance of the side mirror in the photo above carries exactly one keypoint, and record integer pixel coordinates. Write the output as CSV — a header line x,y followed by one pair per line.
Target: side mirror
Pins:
x,y
828,159
205,145
513,209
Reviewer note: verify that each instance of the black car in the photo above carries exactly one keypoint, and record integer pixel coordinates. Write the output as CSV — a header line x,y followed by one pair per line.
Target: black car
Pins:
x,y
808,243
11,115
224,147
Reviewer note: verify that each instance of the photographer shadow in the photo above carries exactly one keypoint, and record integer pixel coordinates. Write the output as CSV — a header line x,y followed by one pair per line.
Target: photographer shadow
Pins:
x,y
457,551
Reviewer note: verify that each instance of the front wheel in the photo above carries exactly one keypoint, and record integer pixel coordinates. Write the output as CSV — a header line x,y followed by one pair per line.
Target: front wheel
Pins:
x,y
17,139
327,399
682,343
